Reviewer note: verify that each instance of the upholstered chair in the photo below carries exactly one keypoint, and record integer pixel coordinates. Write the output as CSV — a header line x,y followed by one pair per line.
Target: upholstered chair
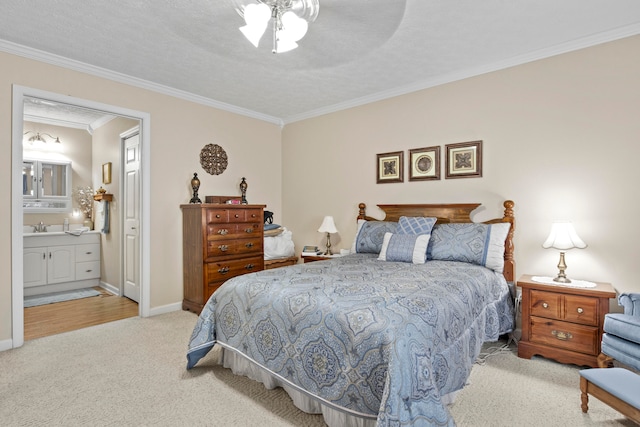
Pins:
x,y
621,340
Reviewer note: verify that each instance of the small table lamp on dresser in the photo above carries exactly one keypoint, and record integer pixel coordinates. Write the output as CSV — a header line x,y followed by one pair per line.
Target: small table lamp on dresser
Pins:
x,y
563,237
328,226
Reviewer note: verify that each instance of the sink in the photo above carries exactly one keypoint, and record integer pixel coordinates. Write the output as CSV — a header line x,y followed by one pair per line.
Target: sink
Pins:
x,y
52,230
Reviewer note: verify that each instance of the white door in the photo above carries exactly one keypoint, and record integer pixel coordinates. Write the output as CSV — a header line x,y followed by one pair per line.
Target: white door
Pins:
x,y
131,211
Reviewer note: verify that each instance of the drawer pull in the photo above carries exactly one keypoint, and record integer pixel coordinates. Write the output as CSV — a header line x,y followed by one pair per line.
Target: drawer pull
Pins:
x,y
545,305
249,266
223,270
88,253
563,336
249,245
223,248
248,230
223,232
580,310
88,271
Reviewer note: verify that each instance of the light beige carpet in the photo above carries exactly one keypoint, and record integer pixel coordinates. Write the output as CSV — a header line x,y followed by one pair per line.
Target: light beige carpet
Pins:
x,y
132,373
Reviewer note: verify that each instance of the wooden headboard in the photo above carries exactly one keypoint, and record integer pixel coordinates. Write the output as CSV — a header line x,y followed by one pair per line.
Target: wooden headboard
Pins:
x,y
457,212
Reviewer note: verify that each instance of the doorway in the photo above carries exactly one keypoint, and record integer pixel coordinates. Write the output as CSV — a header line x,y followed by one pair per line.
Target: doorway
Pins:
x,y
19,95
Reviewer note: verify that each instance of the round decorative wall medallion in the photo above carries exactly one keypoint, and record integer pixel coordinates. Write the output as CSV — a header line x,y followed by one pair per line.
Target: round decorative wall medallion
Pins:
x,y
213,159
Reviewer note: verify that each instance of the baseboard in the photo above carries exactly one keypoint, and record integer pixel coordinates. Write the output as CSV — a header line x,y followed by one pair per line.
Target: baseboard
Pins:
x,y
154,311
110,288
6,345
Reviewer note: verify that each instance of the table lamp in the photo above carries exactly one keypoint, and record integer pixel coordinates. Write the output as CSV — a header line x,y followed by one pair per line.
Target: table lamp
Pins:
x,y
328,226
563,237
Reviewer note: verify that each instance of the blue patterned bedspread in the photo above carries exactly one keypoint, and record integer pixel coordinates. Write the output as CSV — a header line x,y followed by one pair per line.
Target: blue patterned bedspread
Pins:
x,y
372,338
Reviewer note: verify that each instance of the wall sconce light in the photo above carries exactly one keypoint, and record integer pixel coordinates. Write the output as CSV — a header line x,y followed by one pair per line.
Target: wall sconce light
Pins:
x,y
38,137
563,237
328,226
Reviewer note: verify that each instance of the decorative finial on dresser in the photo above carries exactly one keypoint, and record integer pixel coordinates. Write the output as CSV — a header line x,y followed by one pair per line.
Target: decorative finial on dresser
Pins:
x,y
195,185
243,189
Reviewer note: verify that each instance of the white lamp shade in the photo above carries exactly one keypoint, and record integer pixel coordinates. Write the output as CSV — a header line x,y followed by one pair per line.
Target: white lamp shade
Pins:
x,y
563,237
328,226
257,18
295,28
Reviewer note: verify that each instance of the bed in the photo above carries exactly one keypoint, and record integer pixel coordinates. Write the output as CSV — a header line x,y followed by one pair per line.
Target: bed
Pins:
x,y
384,336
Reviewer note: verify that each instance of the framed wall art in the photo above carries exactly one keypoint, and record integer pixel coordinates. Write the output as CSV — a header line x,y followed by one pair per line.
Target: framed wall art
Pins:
x,y
464,160
424,164
106,173
389,167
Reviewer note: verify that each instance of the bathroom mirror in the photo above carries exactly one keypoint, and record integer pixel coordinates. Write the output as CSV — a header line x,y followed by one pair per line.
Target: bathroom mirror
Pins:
x,y
46,186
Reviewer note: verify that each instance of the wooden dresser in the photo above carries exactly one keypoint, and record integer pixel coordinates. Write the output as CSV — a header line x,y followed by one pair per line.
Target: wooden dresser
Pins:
x,y
561,322
219,241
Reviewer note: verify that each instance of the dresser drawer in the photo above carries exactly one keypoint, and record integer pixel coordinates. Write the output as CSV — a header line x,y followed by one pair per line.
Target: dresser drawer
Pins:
x,y
250,246
570,336
234,231
88,252
87,270
224,270
223,215
546,304
581,309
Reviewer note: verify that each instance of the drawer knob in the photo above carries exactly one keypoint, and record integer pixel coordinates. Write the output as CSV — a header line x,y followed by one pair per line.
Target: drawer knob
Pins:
x,y
223,232
248,230
249,245
237,216
217,215
545,305
223,270
249,266
580,310
563,336
223,248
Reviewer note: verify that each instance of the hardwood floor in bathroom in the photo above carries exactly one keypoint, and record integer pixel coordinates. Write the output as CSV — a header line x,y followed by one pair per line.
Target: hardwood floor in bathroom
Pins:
x,y
51,319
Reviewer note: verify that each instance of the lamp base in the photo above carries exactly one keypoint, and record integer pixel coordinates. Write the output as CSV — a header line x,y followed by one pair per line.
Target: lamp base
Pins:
x,y
562,266
562,279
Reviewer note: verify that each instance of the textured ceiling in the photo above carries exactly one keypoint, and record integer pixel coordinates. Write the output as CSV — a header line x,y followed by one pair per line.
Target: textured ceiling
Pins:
x,y
356,51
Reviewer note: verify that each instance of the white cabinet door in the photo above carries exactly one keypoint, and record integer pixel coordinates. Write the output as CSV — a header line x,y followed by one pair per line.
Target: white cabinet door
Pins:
x,y
61,262
34,269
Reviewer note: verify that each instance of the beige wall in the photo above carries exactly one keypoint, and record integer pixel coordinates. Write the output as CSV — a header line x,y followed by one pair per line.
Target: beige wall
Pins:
x,y
179,130
560,135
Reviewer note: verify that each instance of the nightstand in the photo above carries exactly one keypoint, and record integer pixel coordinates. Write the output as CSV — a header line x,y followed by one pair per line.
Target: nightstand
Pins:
x,y
312,258
561,322
280,262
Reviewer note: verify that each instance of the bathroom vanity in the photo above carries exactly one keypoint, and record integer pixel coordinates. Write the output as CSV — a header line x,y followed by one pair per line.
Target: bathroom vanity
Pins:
x,y
58,261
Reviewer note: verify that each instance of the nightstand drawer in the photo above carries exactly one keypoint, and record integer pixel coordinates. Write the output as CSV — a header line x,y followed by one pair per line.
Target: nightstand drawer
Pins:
x,y
546,304
582,310
570,336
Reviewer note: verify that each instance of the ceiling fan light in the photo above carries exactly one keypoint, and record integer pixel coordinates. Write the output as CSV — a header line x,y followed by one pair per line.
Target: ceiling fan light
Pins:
x,y
253,33
257,13
295,27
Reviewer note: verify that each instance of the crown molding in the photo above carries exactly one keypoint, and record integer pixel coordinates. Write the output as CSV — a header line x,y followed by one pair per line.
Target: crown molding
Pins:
x,y
61,61
582,43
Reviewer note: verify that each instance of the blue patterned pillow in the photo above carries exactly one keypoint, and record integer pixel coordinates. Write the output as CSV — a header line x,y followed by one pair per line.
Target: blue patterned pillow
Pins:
x,y
404,248
481,244
415,225
370,236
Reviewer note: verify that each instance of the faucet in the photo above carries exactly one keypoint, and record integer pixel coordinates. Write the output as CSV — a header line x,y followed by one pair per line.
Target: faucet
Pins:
x,y
38,228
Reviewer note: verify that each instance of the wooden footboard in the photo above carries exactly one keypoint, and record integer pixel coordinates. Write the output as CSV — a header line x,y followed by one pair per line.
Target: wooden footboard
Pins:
x,y
456,212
